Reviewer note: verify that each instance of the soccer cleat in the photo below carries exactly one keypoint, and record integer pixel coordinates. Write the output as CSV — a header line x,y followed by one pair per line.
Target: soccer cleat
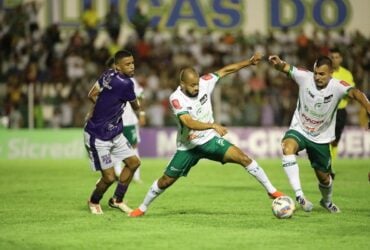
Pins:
x,y
305,204
120,205
275,194
94,208
136,213
331,207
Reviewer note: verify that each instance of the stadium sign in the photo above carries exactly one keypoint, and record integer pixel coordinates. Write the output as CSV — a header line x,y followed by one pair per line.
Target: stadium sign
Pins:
x,y
161,142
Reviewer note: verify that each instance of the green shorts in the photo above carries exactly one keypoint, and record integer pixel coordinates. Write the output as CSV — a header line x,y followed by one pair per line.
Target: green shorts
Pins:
x,y
318,154
183,161
131,132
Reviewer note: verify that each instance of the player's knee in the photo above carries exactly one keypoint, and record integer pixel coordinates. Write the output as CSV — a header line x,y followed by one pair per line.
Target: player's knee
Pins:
x,y
109,178
133,163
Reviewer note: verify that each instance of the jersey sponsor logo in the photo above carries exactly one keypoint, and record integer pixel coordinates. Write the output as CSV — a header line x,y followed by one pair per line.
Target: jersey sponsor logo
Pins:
x,y
344,83
328,98
106,80
176,104
203,99
310,120
207,77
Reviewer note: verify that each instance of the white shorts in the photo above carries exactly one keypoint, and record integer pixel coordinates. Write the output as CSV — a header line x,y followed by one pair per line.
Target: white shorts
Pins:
x,y
104,154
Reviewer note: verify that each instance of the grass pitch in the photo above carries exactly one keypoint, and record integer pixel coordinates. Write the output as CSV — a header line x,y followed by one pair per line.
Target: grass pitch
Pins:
x,y
43,206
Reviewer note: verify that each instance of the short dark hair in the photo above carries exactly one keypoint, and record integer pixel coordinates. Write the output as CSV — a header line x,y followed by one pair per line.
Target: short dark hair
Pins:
x,y
121,54
335,50
323,60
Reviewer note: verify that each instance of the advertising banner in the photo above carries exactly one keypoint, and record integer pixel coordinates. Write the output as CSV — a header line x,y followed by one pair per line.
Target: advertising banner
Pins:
x,y
161,142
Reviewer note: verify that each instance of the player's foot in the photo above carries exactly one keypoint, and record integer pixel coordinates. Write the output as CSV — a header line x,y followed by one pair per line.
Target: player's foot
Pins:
x,y
136,213
305,204
331,207
94,208
120,205
275,194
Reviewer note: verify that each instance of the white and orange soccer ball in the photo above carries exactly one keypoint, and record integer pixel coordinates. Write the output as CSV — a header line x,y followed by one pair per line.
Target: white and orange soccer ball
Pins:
x,y
283,207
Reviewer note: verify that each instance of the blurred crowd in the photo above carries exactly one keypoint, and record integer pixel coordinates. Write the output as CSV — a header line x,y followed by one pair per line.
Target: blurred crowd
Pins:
x,y
59,66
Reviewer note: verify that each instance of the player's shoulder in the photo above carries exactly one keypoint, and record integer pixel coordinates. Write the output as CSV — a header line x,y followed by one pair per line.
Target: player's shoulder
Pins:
x,y
209,77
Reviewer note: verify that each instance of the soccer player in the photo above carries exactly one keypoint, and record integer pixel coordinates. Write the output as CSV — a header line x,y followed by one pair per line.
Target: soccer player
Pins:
x,y
313,125
103,131
131,124
199,136
341,74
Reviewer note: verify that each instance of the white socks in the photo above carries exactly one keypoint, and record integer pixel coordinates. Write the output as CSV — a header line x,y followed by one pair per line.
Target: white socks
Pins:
x,y
153,192
327,191
291,169
255,170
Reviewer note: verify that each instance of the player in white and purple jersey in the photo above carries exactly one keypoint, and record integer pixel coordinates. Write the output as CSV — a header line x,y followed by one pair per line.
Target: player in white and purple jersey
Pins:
x,y
103,131
313,125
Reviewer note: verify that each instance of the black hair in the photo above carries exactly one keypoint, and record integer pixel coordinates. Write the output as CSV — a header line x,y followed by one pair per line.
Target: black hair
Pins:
x,y
121,54
335,50
323,60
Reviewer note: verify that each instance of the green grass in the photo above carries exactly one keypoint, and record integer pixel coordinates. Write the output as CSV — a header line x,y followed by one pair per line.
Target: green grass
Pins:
x,y
43,206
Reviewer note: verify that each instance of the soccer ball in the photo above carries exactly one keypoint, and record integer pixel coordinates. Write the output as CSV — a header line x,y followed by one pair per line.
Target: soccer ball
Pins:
x,y
283,207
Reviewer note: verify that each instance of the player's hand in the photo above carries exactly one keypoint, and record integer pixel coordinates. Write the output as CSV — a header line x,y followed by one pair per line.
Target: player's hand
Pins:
x,y
275,60
221,130
256,58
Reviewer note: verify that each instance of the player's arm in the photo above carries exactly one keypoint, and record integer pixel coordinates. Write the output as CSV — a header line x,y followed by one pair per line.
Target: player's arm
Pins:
x,y
142,114
361,98
279,64
189,122
94,92
231,68
136,106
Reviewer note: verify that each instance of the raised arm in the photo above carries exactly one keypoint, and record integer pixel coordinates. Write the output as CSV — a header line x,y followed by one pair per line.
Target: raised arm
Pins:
x,y
279,64
231,68
361,98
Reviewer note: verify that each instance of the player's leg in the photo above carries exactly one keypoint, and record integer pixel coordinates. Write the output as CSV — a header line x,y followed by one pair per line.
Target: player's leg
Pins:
x,y
235,155
290,147
100,160
179,165
319,155
107,179
339,127
122,150
157,188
